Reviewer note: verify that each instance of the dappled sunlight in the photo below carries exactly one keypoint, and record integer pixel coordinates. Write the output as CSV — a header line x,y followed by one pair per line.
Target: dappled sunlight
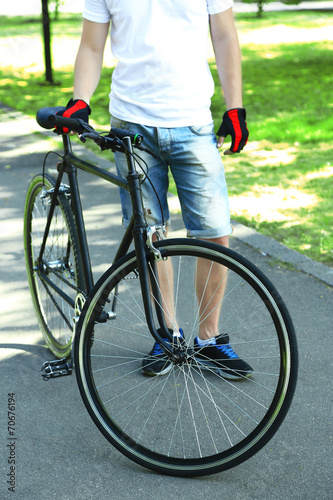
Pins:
x,y
11,230
260,154
102,217
325,172
284,195
276,35
94,182
107,242
273,157
16,303
27,52
282,177
5,194
9,226
274,203
17,347
14,52
285,34
271,203
25,149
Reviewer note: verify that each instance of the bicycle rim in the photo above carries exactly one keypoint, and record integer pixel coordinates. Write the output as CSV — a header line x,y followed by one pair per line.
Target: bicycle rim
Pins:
x,y
59,274
193,420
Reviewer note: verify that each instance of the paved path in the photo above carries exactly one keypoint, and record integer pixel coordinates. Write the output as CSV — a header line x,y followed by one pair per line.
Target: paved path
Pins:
x,y
59,452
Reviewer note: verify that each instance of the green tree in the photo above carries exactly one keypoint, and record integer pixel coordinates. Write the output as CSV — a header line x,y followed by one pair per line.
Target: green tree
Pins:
x,y
260,4
55,4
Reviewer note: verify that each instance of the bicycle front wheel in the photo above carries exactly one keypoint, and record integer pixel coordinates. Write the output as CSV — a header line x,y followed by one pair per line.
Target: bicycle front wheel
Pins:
x,y
56,280
197,419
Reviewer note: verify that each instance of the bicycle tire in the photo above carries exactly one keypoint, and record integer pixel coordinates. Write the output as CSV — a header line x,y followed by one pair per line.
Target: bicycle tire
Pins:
x,y
189,422
61,265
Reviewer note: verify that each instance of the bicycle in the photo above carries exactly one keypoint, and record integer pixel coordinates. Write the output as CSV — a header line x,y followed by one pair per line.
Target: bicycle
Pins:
x,y
192,421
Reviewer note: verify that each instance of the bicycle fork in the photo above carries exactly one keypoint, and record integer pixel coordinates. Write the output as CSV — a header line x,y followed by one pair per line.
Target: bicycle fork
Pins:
x,y
144,247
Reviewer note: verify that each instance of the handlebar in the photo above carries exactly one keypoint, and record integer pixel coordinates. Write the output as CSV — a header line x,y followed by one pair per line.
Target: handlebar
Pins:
x,y
70,123
48,119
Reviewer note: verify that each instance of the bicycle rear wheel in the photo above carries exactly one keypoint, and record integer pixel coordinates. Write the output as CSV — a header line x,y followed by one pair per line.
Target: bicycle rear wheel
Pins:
x,y
55,281
192,421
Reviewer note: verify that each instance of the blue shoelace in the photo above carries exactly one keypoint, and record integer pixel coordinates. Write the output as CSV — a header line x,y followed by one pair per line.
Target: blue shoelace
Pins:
x,y
157,350
227,350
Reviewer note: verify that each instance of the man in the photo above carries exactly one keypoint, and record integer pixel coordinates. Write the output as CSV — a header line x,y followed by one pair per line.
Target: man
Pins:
x,y
161,88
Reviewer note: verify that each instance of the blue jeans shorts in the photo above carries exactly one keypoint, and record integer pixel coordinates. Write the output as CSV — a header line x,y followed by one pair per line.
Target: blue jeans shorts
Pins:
x,y
196,166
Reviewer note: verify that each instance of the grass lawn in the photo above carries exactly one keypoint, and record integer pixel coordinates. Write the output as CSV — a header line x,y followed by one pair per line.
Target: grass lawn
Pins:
x,y
282,184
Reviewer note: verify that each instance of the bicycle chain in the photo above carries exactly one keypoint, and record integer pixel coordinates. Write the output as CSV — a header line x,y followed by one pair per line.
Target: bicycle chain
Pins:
x,y
136,272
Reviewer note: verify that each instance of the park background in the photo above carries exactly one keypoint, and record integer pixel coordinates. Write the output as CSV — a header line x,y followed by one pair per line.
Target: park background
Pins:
x,y
61,454
282,184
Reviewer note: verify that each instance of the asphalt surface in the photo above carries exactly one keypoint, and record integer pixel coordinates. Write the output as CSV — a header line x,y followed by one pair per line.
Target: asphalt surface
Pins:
x,y
59,453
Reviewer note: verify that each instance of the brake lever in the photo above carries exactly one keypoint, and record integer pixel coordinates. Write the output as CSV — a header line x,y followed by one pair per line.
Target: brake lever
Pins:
x,y
87,127
88,135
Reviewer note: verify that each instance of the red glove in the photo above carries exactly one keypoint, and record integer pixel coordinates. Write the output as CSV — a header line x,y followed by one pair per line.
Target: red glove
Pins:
x,y
234,123
74,109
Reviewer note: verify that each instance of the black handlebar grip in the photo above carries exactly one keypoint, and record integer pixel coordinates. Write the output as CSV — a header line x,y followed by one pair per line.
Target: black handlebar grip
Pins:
x,y
47,118
70,123
121,133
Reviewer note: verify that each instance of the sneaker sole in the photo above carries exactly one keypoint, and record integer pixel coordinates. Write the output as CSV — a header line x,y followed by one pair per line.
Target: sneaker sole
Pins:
x,y
151,373
207,365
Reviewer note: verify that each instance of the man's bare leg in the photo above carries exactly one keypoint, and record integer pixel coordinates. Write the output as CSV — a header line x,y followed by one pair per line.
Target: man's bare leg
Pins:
x,y
211,280
166,287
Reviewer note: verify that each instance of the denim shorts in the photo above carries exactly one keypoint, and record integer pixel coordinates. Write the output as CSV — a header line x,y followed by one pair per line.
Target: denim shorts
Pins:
x,y
196,166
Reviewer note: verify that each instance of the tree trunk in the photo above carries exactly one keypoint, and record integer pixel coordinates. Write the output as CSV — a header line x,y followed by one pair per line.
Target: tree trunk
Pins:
x,y
260,8
47,42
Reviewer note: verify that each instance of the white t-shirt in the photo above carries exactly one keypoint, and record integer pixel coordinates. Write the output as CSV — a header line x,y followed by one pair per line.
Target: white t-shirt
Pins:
x,y
162,76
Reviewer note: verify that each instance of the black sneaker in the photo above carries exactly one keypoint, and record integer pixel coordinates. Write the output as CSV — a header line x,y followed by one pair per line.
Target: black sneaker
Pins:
x,y
157,362
222,359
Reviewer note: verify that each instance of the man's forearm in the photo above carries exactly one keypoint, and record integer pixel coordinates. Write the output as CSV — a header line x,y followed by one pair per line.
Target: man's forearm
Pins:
x,y
89,59
228,58
87,73
230,73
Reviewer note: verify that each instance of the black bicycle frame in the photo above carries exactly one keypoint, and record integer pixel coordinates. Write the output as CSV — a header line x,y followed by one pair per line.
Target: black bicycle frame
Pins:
x,y
136,231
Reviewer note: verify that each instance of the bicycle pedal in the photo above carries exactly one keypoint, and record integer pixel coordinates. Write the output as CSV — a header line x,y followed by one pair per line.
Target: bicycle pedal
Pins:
x,y
56,368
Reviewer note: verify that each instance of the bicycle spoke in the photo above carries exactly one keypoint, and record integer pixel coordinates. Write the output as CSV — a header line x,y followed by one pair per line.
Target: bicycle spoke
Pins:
x,y
56,278
191,418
